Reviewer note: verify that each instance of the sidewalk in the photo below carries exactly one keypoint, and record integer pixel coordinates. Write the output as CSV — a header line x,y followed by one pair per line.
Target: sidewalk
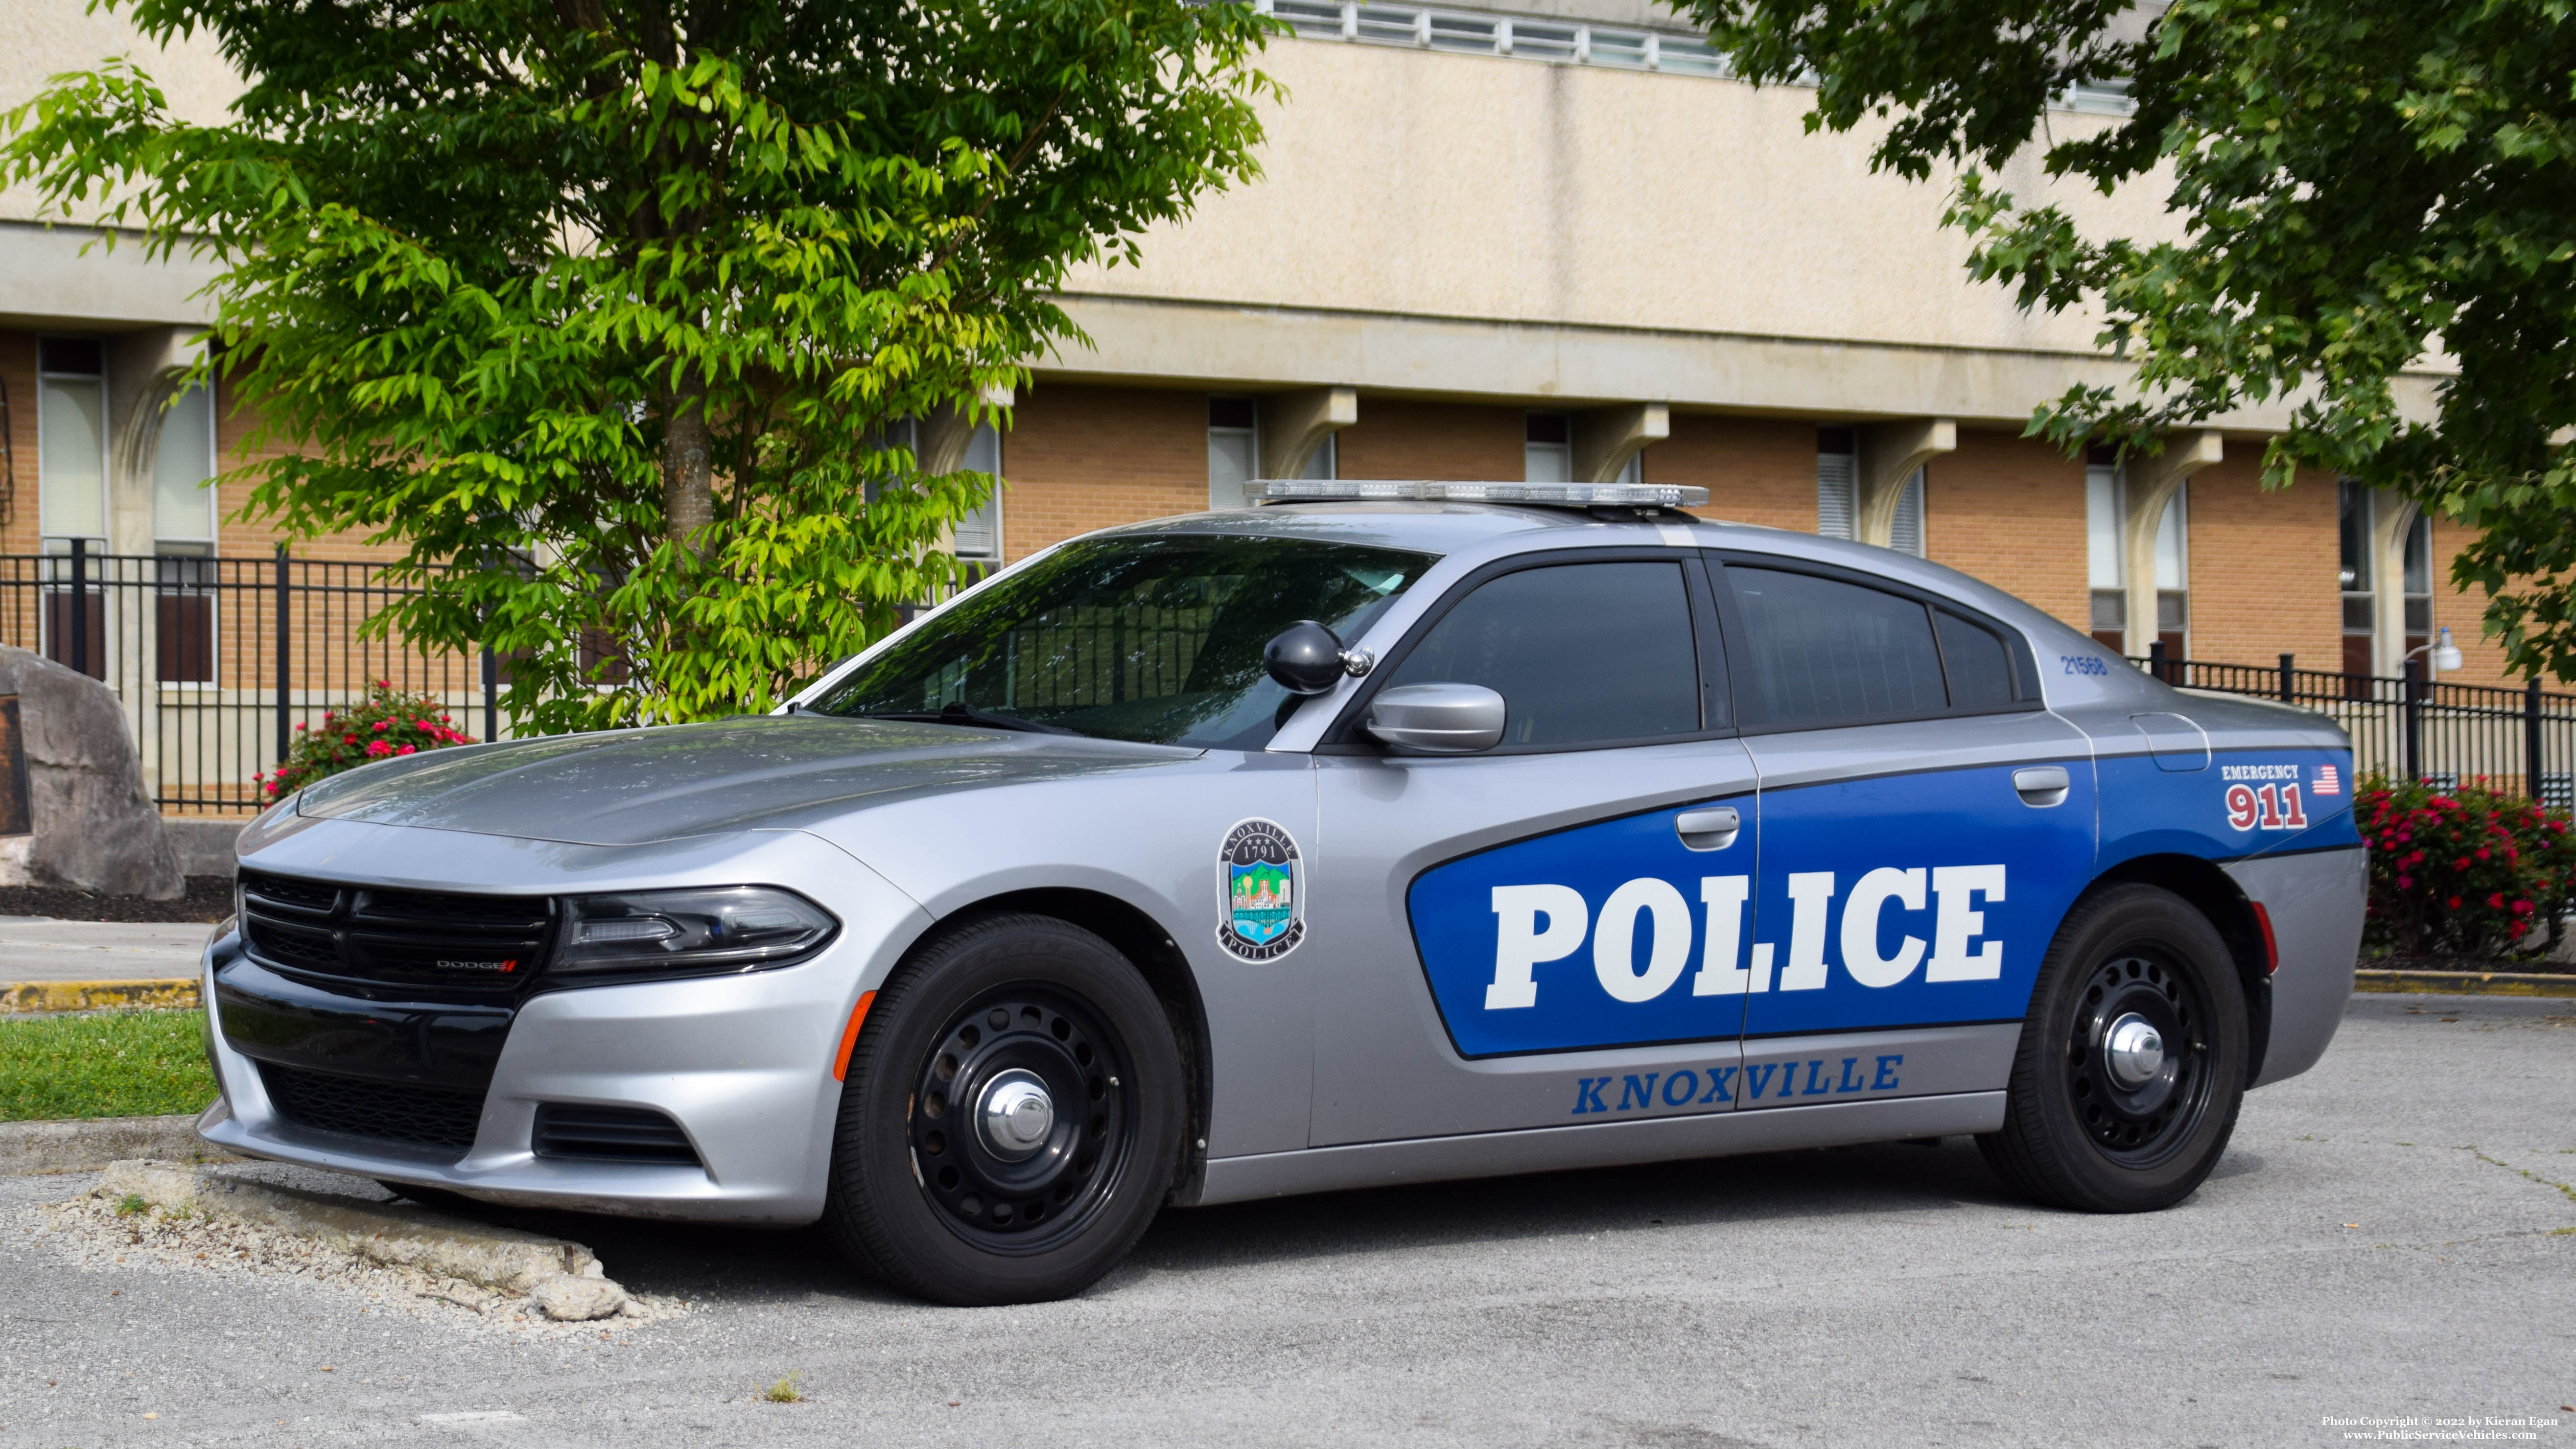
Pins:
x,y
35,948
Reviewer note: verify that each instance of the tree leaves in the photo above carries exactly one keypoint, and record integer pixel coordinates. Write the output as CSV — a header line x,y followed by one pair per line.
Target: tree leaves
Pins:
x,y
483,257
2365,190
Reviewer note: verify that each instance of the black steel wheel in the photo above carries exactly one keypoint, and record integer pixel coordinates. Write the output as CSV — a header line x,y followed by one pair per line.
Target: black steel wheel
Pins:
x,y
1020,1117
2131,1066
2138,1057
1011,1119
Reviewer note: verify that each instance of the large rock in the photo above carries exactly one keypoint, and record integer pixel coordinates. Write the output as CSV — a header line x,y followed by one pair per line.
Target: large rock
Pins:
x,y
96,829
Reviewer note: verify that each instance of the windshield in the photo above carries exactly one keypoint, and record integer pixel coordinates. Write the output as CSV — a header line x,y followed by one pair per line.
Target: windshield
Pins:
x,y
1152,639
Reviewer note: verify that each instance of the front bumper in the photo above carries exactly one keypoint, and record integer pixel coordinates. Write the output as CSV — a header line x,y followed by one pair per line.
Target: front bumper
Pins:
x,y
743,1064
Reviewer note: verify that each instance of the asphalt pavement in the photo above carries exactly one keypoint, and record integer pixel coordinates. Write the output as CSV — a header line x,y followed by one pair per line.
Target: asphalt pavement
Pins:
x,y
39,948
2388,1239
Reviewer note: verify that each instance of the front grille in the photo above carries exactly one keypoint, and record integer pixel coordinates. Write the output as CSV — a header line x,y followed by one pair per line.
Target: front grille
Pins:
x,y
365,1107
611,1134
433,944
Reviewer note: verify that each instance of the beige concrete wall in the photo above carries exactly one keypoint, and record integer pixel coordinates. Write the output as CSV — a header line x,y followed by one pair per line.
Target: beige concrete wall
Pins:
x,y
1431,184
48,37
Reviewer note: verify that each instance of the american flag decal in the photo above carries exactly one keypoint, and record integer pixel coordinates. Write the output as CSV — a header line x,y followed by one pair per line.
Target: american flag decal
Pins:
x,y
2328,782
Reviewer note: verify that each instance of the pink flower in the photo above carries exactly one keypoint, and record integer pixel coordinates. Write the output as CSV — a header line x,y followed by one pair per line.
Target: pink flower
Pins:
x,y
379,748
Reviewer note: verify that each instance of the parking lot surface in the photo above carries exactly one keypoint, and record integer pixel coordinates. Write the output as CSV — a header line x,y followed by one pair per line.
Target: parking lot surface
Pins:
x,y
2388,1237
39,948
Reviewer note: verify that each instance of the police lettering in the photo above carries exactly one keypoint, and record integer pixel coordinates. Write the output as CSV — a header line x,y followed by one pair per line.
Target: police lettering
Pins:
x,y
1538,924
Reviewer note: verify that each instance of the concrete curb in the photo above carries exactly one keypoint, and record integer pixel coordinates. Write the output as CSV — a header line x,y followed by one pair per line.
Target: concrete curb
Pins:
x,y
2465,983
35,996
397,1235
86,1145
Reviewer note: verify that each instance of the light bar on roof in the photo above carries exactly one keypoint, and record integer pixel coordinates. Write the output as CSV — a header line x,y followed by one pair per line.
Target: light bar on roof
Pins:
x,y
1561,495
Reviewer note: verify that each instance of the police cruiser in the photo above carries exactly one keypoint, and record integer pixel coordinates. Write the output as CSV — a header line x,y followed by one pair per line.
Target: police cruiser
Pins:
x,y
1379,833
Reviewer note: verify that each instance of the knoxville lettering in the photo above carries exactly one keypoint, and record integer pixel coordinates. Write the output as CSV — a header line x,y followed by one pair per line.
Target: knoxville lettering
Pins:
x,y
1822,1077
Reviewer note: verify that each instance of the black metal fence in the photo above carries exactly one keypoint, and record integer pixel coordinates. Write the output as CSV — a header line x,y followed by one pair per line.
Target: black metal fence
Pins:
x,y
2411,726
217,660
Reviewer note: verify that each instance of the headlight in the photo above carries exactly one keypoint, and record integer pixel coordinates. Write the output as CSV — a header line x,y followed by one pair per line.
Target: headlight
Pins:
x,y
717,930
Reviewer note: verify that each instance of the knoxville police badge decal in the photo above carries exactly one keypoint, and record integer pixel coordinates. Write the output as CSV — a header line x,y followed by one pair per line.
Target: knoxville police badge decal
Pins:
x,y
1261,892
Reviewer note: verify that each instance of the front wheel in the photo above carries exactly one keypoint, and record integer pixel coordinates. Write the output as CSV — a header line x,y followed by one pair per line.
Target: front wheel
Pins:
x,y
1012,1116
2131,1065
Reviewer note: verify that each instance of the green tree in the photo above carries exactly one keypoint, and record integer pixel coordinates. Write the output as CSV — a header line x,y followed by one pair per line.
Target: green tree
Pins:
x,y
610,303
2361,185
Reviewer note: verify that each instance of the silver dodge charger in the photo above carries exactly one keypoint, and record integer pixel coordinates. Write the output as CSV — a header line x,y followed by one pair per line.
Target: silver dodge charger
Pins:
x,y
1381,833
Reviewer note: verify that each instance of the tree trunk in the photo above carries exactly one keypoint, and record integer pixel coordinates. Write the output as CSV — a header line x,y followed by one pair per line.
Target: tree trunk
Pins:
x,y
688,490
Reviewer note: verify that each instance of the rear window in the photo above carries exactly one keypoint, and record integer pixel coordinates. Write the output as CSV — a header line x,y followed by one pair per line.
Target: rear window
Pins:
x,y
1827,651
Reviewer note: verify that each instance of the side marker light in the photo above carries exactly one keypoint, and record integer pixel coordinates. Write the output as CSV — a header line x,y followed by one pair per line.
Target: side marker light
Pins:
x,y
850,1036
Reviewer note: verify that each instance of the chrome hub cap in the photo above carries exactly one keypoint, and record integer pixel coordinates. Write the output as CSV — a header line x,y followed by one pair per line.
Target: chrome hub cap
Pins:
x,y
2133,1051
1015,1115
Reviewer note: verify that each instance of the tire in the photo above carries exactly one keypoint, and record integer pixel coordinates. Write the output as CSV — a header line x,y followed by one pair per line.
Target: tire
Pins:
x,y
2091,1128
934,1198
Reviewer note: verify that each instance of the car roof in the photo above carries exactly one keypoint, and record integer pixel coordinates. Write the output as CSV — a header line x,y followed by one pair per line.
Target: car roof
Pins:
x,y
1488,530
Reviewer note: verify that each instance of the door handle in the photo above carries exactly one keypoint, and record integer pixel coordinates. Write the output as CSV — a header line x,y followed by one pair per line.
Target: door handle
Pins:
x,y
1711,829
2041,786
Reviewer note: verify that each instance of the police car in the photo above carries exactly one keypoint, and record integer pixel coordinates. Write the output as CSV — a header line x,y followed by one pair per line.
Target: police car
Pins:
x,y
1381,833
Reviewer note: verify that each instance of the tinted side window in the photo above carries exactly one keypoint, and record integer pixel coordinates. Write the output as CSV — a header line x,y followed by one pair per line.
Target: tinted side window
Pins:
x,y
1979,669
1581,653
1825,652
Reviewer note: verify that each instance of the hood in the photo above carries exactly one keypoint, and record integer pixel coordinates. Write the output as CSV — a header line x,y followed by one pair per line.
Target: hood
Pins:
x,y
632,787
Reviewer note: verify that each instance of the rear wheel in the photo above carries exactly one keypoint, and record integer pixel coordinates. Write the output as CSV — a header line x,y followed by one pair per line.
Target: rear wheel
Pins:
x,y
1012,1116
2131,1067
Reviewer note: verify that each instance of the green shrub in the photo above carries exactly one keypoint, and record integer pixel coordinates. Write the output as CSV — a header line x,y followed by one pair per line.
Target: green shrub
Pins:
x,y
388,723
2466,872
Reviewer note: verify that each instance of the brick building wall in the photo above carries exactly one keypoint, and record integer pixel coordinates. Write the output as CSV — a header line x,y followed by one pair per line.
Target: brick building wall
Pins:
x,y
2263,566
2010,510
1756,470
18,375
2481,658
1079,457
1448,441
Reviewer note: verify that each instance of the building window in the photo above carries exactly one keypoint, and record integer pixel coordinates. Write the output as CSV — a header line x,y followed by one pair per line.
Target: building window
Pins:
x,y
979,534
1905,530
183,540
1838,494
2419,584
2355,577
1548,448
1234,449
1325,461
183,465
2105,560
71,440
1837,482
2173,575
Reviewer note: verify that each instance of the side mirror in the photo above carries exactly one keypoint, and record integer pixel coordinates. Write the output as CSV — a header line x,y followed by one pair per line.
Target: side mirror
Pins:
x,y
1438,719
1307,658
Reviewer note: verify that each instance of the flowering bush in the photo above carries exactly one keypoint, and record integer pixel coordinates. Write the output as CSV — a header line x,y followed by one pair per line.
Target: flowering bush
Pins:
x,y
2466,872
388,723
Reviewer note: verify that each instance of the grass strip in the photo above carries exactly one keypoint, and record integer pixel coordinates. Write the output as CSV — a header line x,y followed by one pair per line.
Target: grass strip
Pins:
x,y
104,1064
